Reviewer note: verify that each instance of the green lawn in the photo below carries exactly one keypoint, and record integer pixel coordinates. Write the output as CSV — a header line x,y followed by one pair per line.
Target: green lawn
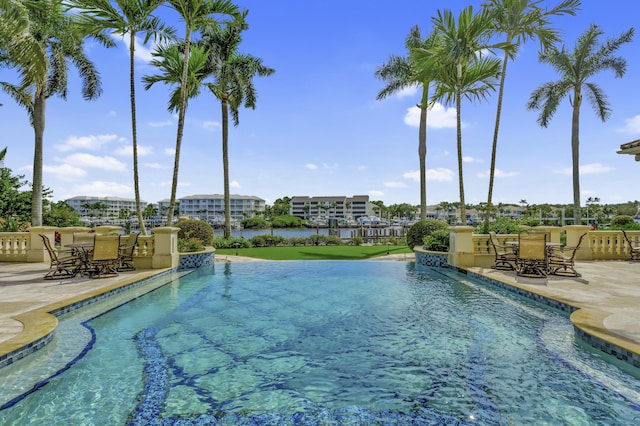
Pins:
x,y
316,252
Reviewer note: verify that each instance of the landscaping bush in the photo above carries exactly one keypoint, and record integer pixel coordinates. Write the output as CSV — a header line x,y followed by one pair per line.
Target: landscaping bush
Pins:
x,y
438,240
254,223
267,240
419,230
191,228
287,221
502,225
356,241
187,245
317,239
297,241
333,240
221,242
621,220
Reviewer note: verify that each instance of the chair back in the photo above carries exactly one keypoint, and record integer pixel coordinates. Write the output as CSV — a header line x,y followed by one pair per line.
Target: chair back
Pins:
x,y
626,237
130,244
47,245
106,247
575,249
493,238
83,237
532,246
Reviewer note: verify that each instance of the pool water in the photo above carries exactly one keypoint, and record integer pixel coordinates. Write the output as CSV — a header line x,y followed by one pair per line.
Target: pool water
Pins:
x,y
326,342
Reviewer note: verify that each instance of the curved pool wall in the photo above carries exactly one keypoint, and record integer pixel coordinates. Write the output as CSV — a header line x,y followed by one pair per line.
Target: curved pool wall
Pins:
x,y
436,259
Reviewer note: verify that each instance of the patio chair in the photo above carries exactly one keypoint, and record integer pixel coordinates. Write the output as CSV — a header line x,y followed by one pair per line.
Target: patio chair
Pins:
x,y
126,253
634,247
505,254
532,255
105,257
64,263
562,259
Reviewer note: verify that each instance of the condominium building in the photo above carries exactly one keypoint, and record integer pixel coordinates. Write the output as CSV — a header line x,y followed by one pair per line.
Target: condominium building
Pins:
x,y
210,208
340,207
103,208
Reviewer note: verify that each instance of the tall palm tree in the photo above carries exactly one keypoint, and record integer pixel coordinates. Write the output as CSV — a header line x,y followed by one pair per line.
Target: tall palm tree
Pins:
x,y
196,14
520,21
461,68
399,73
575,70
59,36
125,17
232,76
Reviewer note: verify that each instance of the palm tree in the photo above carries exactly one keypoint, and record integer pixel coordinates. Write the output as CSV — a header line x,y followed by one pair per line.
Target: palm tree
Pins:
x,y
196,14
575,69
59,36
520,21
232,74
399,73
461,70
125,17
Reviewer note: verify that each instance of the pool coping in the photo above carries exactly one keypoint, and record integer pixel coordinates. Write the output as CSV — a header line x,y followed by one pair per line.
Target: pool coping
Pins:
x,y
39,325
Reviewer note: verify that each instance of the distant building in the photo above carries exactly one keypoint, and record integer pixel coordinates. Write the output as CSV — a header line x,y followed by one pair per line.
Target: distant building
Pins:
x,y
103,208
340,207
632,148
210,208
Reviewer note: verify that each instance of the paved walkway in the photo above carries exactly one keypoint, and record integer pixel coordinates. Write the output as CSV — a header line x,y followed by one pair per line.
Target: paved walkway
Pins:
x,y
608,295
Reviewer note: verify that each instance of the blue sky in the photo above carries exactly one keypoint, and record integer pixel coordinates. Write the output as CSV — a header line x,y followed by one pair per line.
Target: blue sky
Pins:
x,y
318,129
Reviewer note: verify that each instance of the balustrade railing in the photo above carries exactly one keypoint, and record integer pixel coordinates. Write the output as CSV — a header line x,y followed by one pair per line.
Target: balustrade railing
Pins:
x,y
14,246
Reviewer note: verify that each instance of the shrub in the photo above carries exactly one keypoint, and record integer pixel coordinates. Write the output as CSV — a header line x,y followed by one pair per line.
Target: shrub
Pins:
x,y
287,221
258,241
356,241
221,242
317,239
333,240
502,225
254,223
191,228
621,220
297,241
419,230
438,240
186,245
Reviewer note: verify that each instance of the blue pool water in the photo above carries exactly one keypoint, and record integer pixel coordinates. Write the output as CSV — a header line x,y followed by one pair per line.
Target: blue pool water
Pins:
x,y
305,343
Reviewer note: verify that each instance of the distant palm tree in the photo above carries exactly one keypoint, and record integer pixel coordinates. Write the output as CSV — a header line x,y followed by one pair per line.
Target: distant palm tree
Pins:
x,y
462,70
232,76
196,14
59,36
400,73
520,21
125,17
575,69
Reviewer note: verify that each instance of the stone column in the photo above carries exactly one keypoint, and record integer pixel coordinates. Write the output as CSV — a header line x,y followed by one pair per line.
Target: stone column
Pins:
x,y
66,234
37,252
553,232
461,253
165,254
107,229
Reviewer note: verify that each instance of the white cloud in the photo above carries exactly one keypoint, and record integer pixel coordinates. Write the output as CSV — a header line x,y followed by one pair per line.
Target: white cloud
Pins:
x,y
438,175
469,159
498,174
94,161
361,168
142,52
311,166
211,125
161,123
395,185
329,166
234,184
375,193
631,125
586,169
407,91
65,172
91,142
438,117
128,150
155,166
103,189
169,151
112,113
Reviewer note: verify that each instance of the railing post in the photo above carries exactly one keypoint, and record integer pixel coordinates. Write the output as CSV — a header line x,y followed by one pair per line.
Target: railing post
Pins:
x,y
573,235
553,232
461,253
66,234
107,229
36,251
165,244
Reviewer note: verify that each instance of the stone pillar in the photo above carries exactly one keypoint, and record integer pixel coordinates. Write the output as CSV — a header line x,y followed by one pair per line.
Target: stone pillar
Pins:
x,y
461,253
66,234
37,252
553,232
573,235
108,229
165,254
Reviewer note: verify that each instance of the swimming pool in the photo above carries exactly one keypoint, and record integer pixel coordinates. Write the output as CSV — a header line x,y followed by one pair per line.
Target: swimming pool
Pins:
x,y
326,342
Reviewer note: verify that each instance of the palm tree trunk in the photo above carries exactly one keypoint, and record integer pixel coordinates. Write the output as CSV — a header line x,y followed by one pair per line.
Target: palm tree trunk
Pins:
x,y
181,114
463,211
39,107
422,152
225,167
575,155
494,146
134,133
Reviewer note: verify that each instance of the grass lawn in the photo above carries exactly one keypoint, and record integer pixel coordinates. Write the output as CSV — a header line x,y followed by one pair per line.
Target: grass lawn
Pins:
x,y
316,252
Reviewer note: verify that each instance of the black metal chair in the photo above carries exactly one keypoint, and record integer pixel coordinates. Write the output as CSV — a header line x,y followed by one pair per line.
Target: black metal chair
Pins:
x,y
105,257
562,259
532,255
64,263
634,247
126,253
505,254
